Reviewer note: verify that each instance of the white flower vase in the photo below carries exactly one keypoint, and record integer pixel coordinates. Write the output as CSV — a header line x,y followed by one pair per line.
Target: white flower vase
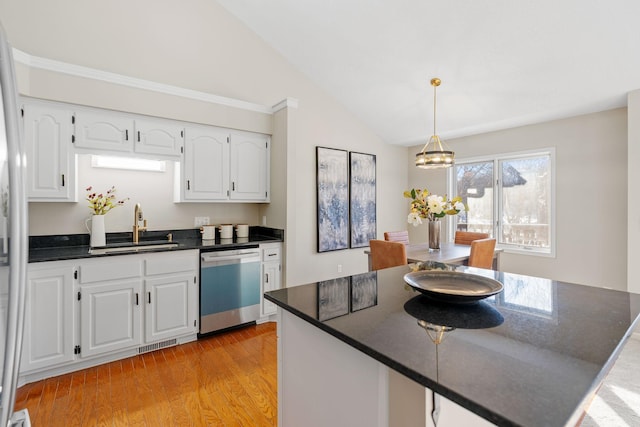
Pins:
x,y
434,235
97,231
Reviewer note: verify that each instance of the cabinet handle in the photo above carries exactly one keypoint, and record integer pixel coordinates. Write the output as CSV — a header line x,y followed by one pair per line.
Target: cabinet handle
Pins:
x,y
63,180
149,295
233,186
138,136
266,278
126,134
137,302
188,185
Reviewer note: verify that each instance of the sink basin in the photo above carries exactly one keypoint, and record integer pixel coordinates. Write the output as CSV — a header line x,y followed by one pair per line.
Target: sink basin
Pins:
x,y
132,247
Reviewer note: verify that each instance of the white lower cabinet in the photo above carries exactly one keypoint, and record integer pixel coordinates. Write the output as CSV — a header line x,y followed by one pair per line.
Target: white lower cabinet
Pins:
x,y
109,297
110,317
171,295
169,307
49,317
271,275
84,312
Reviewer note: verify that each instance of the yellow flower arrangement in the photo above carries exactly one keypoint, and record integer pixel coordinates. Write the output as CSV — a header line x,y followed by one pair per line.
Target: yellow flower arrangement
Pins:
x,y
425,205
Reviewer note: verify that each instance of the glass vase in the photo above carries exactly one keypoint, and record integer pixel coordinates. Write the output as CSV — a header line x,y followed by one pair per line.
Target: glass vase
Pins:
x,y
434,235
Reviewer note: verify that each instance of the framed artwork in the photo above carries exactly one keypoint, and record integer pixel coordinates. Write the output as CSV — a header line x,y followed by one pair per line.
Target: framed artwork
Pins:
x,y
332,177
362,200
333,298
364,290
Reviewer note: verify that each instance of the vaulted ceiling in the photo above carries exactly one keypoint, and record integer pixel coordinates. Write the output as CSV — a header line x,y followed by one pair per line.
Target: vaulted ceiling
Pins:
x,y
503,63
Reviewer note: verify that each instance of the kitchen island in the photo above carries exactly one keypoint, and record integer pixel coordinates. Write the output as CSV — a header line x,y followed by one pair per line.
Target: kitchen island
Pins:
x,y
369,350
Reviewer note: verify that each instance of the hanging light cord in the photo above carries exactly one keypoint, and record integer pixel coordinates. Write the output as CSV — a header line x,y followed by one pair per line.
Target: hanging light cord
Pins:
x,y
437,157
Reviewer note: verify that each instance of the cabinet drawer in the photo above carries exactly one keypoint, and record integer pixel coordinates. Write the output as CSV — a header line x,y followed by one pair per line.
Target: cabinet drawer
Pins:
x,y
271,254
172,262
111,270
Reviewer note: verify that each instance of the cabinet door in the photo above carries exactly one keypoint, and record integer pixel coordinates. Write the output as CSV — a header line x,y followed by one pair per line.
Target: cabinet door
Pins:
x,y
104,131
110,316
48,330
170,306
249,167
158,137
206,164
271,280
51,173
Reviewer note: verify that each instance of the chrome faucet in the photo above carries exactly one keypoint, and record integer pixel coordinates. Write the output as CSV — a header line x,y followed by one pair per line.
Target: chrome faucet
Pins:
x,y
137,217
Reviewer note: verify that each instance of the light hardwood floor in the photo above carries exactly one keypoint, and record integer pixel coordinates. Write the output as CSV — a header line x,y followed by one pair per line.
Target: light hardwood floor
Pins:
x,y
228,379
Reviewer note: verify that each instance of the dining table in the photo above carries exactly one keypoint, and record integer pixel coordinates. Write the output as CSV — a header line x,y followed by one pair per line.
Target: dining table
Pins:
x,y
449,253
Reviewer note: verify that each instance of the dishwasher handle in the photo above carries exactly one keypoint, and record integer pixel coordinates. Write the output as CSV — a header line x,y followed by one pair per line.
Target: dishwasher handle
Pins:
x,y
230,258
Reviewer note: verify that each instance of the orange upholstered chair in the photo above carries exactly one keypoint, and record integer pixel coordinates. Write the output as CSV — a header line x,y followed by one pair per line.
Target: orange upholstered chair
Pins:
x,y
482,253
387,254
397,236
466,237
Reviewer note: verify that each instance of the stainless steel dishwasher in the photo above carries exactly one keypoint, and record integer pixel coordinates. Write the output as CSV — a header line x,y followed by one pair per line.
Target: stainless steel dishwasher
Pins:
x,y
229,288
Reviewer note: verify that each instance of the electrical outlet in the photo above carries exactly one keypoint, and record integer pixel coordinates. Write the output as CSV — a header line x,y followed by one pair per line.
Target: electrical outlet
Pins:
x,y
201,220
339,268
264,220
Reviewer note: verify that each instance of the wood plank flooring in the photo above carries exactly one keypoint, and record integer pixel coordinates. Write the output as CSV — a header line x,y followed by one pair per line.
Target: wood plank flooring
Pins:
x,y
228,379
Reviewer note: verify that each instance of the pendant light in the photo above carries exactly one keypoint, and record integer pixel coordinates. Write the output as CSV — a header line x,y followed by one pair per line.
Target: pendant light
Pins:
x,y
437,157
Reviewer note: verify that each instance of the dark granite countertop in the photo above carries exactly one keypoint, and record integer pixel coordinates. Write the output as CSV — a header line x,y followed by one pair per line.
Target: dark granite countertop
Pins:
x,y
76,246
530,356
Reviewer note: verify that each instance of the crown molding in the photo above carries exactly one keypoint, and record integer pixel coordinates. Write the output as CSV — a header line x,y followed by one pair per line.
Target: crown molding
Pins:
x,y
105,76
285,103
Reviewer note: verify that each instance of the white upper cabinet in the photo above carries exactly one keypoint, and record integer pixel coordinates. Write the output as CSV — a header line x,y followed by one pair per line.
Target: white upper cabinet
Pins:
x,y
212,164
104,131
154,136
51,172
223,166
206,164
249,171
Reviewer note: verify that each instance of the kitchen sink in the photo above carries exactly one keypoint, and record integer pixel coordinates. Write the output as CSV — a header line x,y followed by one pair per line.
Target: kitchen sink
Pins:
x,y
133,247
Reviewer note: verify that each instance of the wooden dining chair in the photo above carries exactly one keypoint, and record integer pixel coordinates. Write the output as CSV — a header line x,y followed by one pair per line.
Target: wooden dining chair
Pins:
x,y
387,254
481,255
466,237
397,236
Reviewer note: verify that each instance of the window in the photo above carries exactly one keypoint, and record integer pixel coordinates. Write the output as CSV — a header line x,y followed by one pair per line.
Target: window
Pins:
x,y
510,197
128,163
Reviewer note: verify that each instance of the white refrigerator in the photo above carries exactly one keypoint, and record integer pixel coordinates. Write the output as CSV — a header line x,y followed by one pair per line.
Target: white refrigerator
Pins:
x,y
13,240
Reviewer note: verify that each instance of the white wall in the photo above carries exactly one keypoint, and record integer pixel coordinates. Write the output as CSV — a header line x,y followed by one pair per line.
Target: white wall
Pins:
x,y
591,194
197,45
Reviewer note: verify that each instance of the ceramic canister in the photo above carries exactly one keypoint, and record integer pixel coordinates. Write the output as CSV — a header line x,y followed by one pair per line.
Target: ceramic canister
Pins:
x,y
208,232
226,231
242,230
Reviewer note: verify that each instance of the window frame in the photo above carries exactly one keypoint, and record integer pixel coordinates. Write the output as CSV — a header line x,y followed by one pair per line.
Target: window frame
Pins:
x,y
497,199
